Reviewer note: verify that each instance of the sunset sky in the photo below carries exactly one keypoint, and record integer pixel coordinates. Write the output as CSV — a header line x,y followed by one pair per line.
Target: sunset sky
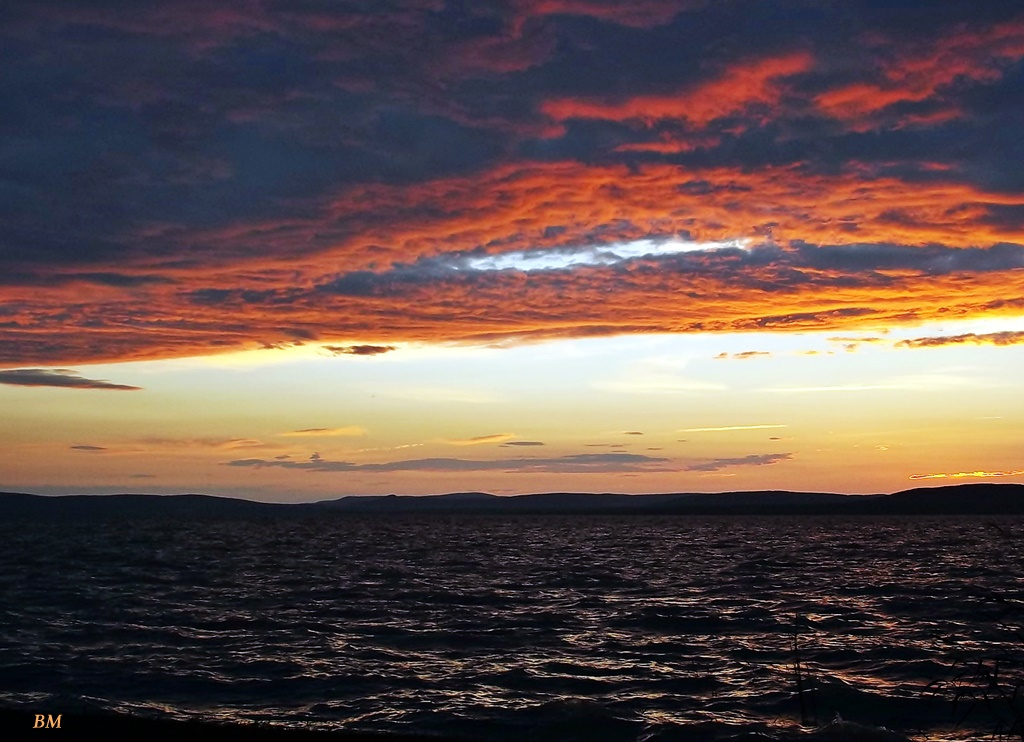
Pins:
x,y
298,249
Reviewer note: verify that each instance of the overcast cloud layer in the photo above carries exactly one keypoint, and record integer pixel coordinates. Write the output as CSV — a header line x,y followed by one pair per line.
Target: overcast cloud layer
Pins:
x,y
182,178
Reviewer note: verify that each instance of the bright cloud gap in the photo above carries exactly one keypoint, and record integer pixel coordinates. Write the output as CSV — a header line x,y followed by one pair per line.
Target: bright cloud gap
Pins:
x,y
562,258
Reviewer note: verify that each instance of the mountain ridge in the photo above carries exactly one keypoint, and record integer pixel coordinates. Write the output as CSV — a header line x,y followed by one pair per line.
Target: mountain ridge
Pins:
x,y
970,498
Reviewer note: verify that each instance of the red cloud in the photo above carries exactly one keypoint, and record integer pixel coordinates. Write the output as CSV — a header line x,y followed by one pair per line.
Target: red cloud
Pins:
x,y
737,89
266,285
920,73
364,265
638,13
1008,337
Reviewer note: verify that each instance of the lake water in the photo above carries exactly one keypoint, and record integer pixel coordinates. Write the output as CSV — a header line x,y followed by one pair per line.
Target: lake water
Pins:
x,y
511,628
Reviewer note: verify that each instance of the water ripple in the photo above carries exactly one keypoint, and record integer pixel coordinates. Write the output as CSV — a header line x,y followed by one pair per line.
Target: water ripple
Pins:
x,y
553,628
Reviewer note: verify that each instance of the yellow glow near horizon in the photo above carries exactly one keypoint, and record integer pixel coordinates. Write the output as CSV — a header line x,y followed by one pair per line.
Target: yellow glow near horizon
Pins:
x,y
732,411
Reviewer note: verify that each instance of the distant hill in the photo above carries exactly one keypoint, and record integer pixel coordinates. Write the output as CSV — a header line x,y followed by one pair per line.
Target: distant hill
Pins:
x,y
954,499
957,498
12,504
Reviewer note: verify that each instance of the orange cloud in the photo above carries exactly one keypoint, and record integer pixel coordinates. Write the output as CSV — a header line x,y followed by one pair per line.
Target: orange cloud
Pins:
x,y
370,265
738,88
1009,337
744,355
433,132
919,73
514,208
969,474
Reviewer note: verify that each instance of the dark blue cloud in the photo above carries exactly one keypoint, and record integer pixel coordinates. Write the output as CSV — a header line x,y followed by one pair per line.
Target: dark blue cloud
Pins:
x,y
226,157
60,378
578,463
713,465
118,116
359,350
848,264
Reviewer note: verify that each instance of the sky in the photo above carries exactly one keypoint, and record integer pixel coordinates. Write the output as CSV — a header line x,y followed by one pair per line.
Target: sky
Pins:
x,y
290,250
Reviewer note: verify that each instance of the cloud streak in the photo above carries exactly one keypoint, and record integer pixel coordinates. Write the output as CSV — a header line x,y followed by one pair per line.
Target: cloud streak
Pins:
x,y
744,355
727,428
480,439
58,378
522,169
713,465
575,464
222,444
349,430
1010,337
359,350
969,474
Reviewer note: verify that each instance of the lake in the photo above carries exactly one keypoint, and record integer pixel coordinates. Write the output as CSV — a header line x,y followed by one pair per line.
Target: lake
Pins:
x,y
522,627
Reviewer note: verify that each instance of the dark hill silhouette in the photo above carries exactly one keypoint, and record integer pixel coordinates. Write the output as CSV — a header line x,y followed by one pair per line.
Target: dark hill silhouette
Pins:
x,y
957,498
954,499
134,505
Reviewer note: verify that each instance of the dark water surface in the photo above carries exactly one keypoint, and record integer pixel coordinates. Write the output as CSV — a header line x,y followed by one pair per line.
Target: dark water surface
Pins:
x,y
508,628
